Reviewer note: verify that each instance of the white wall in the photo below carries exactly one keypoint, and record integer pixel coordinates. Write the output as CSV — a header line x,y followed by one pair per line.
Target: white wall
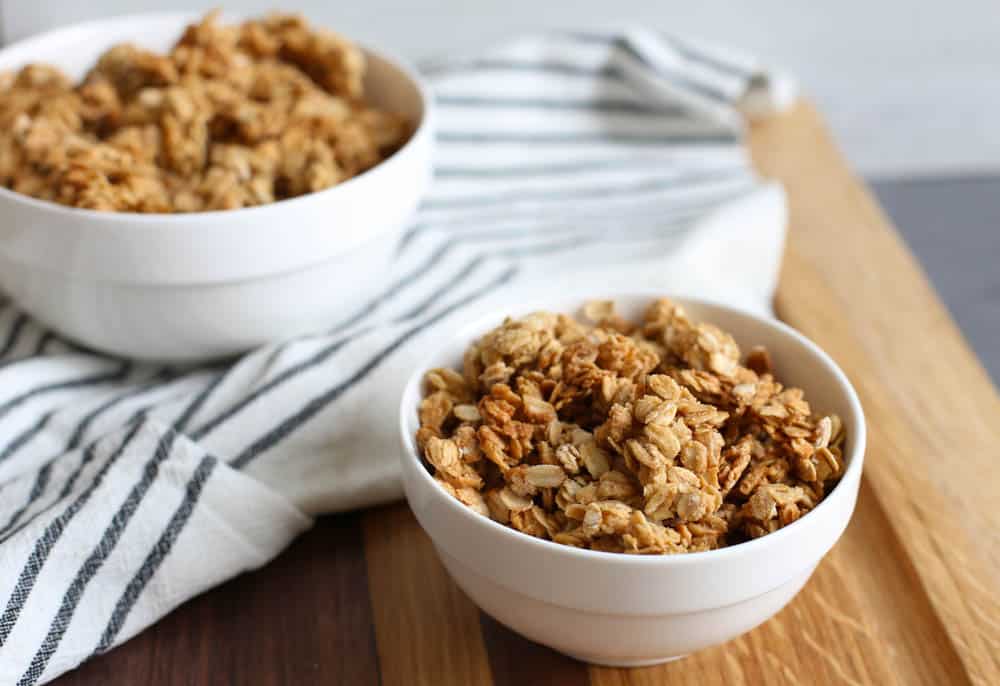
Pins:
x,y
909,86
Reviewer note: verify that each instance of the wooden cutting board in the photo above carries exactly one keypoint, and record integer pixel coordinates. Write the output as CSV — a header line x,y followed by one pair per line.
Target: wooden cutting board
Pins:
x,y
910,595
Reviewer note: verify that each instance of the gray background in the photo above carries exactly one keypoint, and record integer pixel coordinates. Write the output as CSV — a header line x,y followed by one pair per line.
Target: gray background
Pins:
x,y
953,226
910,89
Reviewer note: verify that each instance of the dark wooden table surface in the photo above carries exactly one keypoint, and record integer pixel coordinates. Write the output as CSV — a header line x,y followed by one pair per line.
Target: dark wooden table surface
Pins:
x,y
908,596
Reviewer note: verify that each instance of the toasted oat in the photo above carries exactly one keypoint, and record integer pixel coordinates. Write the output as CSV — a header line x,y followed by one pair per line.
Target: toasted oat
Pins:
x,y
232,116
649,439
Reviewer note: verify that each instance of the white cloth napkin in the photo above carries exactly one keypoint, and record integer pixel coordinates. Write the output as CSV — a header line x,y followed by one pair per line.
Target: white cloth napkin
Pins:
x,y
566,163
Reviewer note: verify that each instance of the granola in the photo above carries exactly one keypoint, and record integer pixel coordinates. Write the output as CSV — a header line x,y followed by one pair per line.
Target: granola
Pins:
x,y
232,116
651,437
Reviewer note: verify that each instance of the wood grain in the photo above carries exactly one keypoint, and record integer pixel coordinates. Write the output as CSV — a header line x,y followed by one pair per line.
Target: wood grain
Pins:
x,y
427,629
908,596
516,661
851,284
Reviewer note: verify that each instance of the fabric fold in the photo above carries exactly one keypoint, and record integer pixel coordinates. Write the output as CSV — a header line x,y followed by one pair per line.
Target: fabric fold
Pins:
x,y
144,520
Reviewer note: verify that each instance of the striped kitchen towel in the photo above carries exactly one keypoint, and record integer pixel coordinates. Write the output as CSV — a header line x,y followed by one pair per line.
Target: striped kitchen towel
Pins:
x,y
567,162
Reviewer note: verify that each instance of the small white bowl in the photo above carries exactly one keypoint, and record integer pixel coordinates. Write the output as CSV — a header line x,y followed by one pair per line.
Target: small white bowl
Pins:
x,y
208,284
624,610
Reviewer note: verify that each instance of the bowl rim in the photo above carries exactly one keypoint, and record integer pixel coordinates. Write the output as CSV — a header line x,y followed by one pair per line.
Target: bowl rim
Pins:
x,y
141,220
762,545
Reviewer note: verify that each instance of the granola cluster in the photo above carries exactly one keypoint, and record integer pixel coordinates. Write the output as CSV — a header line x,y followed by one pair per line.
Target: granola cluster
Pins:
x,y
651,438
232,116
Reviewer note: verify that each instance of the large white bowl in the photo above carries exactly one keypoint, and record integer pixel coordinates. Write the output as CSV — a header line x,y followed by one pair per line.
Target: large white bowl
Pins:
x,y
626,610
208,284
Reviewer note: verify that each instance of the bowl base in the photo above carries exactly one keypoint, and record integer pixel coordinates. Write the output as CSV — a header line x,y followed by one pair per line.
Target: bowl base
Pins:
x,y
611,662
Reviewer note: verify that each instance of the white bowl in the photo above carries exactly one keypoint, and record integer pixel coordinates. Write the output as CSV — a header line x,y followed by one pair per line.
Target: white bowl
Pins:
x,y
208,284
625,610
